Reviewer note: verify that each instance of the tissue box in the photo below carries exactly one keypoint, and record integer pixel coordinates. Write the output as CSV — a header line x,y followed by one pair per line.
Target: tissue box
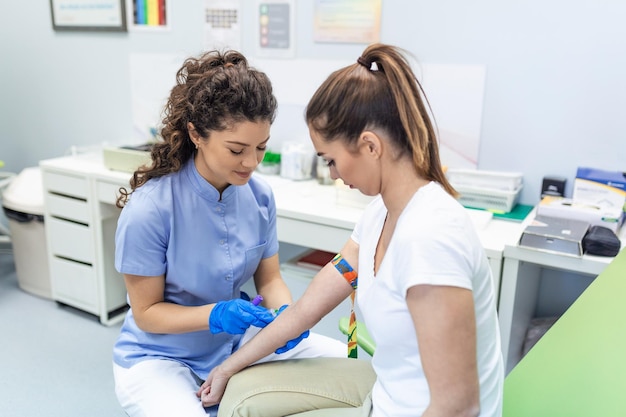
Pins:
x,y
611,218
555,235
600,188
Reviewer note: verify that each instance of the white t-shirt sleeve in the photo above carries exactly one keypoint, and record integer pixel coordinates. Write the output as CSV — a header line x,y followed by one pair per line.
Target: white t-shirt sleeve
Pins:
x,y
440,257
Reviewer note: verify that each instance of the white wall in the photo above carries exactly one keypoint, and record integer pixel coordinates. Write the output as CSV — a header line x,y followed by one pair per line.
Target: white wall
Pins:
x,y
555,95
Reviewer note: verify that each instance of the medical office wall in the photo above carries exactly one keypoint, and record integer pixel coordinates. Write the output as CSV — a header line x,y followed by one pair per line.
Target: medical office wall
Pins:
x,y
554,88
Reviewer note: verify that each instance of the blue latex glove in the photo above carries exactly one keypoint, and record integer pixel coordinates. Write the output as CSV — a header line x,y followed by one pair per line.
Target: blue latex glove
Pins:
x,y
235,316
292,343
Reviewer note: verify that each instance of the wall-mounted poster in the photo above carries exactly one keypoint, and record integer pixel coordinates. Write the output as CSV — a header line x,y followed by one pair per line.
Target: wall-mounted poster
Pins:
x,y
275,29
222,27
347,21
101,15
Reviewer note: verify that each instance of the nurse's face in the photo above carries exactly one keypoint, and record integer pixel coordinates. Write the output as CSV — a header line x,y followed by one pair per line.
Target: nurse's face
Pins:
x,y
231,156
355,168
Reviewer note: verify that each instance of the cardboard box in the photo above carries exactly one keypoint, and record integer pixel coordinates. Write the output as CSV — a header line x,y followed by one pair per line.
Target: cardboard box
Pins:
x,y
555,235
600,188
611,218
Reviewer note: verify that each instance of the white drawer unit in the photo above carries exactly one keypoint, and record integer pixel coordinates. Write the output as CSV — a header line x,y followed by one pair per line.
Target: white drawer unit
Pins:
x,y
65,207
78,209
69,185
70,240
75,284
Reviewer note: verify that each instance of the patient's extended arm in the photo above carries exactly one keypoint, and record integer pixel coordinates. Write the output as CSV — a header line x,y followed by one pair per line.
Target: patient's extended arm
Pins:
x,y
327,289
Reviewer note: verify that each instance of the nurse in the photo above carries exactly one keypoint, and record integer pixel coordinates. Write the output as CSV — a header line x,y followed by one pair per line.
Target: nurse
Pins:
x,y
195,226
423,282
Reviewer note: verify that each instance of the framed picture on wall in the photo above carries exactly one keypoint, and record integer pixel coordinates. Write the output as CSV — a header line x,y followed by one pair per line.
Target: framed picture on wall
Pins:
x,y
90,15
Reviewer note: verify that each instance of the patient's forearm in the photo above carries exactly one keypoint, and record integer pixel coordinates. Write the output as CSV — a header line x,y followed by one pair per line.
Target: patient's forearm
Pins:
x,y
325,292
287,326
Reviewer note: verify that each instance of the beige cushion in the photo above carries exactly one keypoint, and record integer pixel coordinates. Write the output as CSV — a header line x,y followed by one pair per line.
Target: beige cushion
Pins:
x,y
292,386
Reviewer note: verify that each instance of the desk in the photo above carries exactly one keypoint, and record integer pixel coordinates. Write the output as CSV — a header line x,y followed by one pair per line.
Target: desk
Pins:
x,y
521,277
80,221
308,215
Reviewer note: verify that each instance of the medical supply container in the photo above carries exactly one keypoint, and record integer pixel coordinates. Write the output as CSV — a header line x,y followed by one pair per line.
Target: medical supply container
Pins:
x,y
488,190
23,206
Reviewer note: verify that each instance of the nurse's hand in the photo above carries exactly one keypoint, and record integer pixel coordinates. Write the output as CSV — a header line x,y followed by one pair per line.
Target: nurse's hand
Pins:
x,y
293,342
235,316
212,390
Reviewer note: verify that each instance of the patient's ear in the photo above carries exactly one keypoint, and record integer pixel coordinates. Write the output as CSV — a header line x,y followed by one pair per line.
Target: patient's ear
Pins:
x,y
371,143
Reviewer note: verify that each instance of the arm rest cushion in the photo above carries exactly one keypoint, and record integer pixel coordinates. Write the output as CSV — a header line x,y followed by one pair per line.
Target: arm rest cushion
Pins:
x,y
293,386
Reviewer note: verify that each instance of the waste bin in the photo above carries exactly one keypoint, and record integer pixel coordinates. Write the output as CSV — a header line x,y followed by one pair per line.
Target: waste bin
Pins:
x,y
22,202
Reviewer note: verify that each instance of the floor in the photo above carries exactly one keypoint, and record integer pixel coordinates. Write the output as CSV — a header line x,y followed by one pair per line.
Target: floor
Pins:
x,y
54,361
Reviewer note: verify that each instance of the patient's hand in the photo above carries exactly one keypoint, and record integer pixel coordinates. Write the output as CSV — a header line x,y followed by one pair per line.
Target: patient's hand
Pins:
x,y
212,390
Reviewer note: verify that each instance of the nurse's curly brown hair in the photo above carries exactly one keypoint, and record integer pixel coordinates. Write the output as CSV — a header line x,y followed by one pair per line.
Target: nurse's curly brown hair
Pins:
x,y
213,92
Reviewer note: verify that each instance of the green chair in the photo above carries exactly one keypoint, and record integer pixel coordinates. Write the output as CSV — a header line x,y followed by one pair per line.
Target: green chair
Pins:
x,y
363,338
578,368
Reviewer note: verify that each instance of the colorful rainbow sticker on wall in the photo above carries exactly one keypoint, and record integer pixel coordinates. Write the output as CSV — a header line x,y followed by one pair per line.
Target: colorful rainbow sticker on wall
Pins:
x,y
149,13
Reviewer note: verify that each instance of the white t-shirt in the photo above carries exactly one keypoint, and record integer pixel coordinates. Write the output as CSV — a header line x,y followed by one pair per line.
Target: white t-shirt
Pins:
x,y
435,243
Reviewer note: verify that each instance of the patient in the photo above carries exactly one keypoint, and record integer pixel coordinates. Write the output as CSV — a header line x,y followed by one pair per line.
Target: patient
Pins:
x,y
424,283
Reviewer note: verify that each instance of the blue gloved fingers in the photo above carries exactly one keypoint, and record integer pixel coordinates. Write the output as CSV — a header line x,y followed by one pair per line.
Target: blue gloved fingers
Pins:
x,y
235,316
292,343
256,316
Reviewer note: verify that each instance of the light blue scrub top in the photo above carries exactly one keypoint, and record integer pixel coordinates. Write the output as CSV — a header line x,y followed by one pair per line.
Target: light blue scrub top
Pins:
x,y
207,248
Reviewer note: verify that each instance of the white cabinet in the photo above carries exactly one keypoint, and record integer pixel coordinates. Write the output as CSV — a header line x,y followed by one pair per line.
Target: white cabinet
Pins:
x,y
522,274
80,221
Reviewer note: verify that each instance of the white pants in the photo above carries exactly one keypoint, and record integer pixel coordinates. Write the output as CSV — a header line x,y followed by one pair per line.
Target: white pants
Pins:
x,y
166,388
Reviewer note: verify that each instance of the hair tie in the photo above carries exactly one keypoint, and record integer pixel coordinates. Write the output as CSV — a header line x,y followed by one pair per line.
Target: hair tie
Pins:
x,y
363,62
